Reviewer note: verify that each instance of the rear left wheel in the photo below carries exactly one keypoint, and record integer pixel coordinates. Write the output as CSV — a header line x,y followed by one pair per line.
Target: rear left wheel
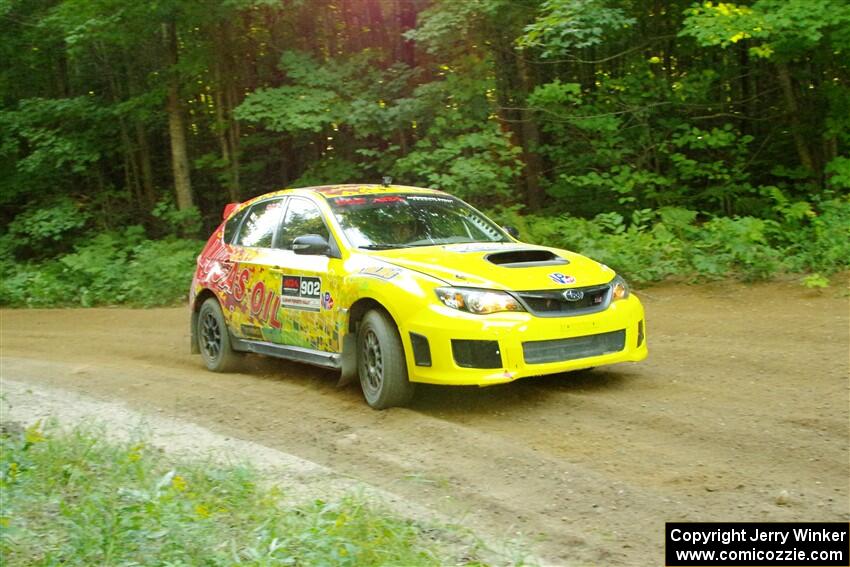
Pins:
x,y
380,362
213,338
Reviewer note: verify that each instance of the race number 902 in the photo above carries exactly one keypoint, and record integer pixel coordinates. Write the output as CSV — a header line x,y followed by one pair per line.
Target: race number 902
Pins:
x,y
311,287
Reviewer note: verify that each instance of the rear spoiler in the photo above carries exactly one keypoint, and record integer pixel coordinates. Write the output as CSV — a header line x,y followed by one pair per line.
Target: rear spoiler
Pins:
x,y
228,210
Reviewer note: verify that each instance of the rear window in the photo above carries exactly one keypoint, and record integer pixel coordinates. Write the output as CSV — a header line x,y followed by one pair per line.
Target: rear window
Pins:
x,y
231,227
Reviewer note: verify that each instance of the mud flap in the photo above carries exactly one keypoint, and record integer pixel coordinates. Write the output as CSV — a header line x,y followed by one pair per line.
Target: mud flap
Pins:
x,y
349,360
194,347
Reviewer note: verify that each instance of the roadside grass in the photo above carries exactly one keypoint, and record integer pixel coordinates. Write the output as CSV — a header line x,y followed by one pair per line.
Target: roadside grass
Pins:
x,y
76,498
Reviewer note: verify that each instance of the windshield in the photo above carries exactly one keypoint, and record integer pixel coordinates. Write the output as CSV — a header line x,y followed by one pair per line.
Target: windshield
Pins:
x,y
401,220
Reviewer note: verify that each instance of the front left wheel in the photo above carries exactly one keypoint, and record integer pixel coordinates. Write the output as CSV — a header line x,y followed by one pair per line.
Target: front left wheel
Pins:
x,y
214,340
380,362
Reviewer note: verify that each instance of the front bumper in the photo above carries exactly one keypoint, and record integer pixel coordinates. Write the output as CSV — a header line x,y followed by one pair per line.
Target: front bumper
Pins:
x,y
441,325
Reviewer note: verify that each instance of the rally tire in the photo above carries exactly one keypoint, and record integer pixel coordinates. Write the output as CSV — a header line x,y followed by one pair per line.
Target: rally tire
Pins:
x,y
214,338
380,362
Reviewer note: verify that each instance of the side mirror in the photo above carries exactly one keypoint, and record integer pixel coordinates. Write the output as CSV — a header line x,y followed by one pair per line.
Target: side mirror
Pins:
x,y
511,230
311,244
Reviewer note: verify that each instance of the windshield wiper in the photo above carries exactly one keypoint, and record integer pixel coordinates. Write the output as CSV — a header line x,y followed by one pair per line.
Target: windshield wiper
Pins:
x,y
383,246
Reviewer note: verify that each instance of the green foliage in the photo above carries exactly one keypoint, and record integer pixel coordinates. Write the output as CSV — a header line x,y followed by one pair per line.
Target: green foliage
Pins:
x,y
107,269
58,134
815,281
615,116
76,498
443,25
291,108
565,25
673,242
476,166
786,26
45,225
186,222
330,171
839,173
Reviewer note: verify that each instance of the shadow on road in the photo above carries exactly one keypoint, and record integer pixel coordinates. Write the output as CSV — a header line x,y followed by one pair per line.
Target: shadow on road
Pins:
x,y
515,396
509,398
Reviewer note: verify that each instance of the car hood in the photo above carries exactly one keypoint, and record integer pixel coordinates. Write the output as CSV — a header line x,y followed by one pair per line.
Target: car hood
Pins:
x,y
509,266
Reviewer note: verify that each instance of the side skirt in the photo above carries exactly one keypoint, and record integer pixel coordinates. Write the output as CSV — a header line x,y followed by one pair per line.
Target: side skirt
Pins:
x,y
300,354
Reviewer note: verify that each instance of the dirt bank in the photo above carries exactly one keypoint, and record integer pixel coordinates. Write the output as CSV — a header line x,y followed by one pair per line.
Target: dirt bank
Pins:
x,y
744,398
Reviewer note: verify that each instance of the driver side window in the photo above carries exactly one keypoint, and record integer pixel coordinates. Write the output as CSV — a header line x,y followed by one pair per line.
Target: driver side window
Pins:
x,y
302,217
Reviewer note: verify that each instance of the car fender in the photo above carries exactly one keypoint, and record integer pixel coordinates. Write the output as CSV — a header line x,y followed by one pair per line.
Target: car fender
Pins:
x,y
399,291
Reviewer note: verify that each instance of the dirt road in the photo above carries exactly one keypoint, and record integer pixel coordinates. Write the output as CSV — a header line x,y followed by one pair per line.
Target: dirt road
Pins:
x,y
740,413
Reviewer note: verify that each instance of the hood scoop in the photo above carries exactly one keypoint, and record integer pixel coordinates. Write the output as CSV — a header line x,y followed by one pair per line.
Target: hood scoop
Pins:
x,y
526,258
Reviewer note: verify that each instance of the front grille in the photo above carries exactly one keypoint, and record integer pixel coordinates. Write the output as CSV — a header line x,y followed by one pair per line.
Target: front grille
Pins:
x,y
559,350
476,354
553,303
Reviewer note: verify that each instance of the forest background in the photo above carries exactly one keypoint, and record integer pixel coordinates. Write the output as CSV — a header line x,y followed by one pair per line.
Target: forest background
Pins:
x,y
666,138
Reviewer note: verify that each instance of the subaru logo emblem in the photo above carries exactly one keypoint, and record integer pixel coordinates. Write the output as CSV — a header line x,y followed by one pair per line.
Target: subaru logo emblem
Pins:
x,y
573,295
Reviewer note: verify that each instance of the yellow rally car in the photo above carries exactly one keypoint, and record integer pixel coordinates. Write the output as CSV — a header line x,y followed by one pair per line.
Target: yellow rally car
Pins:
x,y
397,285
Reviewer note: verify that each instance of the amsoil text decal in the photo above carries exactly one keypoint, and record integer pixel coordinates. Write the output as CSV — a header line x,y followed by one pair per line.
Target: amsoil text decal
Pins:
x,y
221,273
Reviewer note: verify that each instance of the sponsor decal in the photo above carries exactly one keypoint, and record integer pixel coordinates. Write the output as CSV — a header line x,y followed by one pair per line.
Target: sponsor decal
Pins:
x,y
481,247
432,198
382,272
349,201
562,279
301,292
327,301
388,199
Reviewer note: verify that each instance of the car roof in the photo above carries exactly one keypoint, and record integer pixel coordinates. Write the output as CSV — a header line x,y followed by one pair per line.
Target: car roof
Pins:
x,y
331,191
347,190
353,189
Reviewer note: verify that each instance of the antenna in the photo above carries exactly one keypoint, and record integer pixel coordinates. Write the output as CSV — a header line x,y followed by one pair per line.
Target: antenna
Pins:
x,y
386,181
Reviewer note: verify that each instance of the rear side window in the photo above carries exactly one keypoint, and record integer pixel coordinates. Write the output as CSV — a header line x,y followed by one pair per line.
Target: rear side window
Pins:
x,y
258,229
232,225
302,217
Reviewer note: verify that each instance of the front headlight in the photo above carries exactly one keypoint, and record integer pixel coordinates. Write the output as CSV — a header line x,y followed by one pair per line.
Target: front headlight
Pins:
x,y
479,301
620,289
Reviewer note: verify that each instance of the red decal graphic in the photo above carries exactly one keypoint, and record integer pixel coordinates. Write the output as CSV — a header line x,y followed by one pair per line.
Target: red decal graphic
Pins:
x,y
274,321
257,296
226,281
239,287
291,285
342,201
269,298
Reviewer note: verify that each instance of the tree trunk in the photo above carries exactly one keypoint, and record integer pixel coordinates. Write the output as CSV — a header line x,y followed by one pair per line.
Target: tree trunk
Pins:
x,y
530,139
222,131
234,134
176,125
145,166
131,168
803,151
407,21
